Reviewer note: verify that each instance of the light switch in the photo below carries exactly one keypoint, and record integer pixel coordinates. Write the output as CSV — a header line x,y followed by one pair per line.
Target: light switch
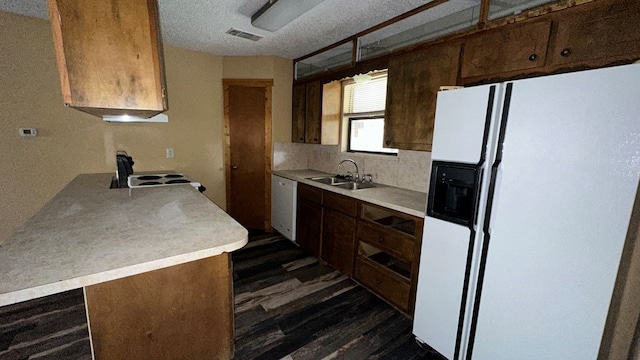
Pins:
x,y
27,132
169,153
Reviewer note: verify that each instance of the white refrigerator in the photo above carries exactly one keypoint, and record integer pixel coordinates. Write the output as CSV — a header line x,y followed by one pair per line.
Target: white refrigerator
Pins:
x,y
532,187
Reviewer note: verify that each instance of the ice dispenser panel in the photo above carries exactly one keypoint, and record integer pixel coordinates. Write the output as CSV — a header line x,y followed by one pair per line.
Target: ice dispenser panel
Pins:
x,y
453,192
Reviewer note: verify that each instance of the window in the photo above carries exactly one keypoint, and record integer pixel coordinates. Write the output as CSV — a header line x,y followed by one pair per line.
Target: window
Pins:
x,y
364,103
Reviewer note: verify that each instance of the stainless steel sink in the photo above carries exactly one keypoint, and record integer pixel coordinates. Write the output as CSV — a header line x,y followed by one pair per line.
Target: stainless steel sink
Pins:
x,y
329,180
356,186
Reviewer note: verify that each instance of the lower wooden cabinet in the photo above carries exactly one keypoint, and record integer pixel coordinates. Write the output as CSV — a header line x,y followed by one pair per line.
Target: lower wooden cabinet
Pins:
x,y
338,241
339,231
388,254
309,218
388,284
376,246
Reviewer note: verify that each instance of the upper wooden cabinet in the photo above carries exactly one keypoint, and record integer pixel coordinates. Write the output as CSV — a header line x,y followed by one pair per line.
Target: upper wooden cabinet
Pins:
x,y
299,114
109,56
316,113
597,36
520,47
413,82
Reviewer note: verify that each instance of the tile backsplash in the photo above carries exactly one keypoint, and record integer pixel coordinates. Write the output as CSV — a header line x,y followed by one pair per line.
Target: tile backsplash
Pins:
x,y
409,170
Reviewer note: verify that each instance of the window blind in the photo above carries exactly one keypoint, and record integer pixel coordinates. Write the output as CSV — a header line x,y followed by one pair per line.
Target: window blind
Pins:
x,y
366,97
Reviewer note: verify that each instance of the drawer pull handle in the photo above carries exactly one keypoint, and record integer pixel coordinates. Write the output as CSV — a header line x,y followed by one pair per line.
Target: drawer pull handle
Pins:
x,y
533,57
565,52
378,281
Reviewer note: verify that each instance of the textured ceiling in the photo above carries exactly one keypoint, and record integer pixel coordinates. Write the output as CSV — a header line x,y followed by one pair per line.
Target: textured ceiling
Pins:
x,y
201,24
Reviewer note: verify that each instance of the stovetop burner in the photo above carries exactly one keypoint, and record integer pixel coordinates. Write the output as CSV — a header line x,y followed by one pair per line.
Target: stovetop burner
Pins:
x,y
177,181
160,179
149,177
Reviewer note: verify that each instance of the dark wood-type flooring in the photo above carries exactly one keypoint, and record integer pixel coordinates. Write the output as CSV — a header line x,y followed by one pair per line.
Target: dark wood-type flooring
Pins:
x,y
49,328
289,306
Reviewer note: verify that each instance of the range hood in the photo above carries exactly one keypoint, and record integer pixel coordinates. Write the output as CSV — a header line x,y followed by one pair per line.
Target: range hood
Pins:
x,y
160,118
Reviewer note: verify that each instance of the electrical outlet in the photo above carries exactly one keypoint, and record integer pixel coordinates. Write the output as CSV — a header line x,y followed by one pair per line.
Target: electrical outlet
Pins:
x,y
169,153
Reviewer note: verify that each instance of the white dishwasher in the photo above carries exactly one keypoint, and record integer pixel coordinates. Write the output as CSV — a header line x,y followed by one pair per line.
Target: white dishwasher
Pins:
x,y
283,206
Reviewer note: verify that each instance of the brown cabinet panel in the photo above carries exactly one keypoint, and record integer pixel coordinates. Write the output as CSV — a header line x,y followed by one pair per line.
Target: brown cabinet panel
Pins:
x,y
313,113
338,240
389,286
515,47
340,203
606,34
395,244
309,218
180,312
413,83
310,193
299,115
309,226
316,117
110,61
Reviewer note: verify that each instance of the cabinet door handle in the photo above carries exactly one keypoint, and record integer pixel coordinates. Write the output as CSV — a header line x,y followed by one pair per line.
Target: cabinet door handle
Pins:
x,y
234,167
565,52
533,57
378,281
301,139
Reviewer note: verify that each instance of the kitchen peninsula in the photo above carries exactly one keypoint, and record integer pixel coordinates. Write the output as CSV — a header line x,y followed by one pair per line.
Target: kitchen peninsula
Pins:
x,y
153,263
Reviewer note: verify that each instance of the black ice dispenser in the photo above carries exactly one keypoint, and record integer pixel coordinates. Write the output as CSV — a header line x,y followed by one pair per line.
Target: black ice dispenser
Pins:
x,y
453,192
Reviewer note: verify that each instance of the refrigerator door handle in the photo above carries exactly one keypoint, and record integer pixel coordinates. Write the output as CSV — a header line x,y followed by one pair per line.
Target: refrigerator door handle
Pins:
x,y
486,228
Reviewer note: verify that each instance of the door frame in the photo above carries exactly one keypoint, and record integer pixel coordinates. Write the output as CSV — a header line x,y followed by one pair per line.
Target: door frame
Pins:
x,y
267,84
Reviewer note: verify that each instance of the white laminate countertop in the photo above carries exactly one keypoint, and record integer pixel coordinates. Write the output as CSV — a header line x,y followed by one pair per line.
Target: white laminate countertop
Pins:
x,y
88,234
403,200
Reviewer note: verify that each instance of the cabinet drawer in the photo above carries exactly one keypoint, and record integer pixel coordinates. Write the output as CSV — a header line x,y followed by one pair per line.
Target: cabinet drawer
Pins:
x,y
341,203
385,283
309,193
395,244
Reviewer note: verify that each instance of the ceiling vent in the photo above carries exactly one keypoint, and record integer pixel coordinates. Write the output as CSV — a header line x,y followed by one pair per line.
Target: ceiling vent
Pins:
x,y
244,34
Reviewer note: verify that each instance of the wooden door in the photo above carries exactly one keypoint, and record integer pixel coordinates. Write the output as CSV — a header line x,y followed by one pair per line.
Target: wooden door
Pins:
x,y
248,151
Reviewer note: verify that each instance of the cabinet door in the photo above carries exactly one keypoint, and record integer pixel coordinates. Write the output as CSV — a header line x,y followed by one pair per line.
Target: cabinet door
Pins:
x,y
607,34
412,86
309,226
313,113
110,61
299,113
309,218
512,48
338,241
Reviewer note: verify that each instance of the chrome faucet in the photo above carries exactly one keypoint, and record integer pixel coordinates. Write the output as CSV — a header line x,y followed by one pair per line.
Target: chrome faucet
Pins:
x,y
354,164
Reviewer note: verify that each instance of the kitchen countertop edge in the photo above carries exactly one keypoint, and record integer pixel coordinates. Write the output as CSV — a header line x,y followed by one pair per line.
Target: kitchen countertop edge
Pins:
x,y
62,262
404,200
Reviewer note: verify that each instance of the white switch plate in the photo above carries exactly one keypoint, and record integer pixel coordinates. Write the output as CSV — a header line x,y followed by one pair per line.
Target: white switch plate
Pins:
x,y
27,132
169,153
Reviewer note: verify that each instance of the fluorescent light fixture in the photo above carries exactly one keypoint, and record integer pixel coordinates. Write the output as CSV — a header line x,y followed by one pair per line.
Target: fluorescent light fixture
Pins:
x,y
160,118
278,13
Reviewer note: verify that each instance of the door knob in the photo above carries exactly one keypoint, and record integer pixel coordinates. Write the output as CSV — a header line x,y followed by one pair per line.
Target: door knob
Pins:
x,y
234,167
